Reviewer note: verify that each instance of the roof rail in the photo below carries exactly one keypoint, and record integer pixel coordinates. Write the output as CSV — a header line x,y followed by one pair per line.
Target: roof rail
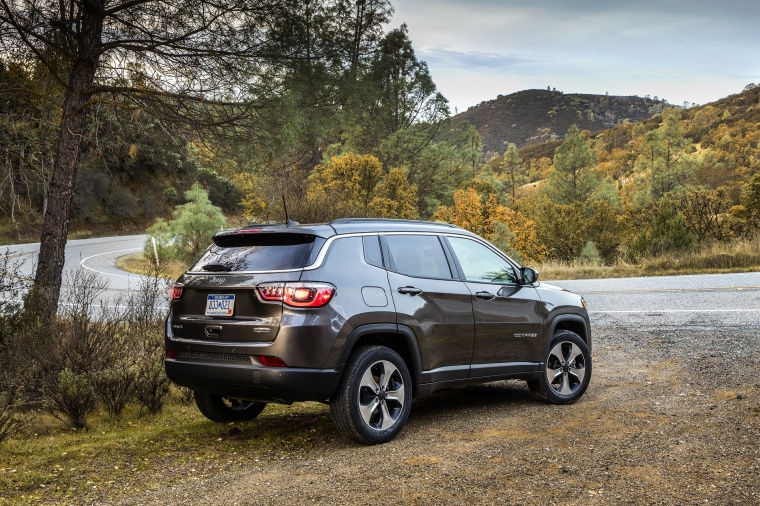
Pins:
x,y
389,220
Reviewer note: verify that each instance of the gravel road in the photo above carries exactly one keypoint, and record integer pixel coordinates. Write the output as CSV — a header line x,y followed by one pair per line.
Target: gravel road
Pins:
x,y
672,416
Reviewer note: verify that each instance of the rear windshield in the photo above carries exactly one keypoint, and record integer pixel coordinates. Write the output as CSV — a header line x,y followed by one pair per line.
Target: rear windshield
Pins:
x,y
259,252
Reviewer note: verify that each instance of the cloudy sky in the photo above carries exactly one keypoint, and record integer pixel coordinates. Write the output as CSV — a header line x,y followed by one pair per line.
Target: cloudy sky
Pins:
x,y
681,50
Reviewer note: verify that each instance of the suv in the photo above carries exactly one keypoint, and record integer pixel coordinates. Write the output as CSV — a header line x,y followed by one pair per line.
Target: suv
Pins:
x,y
366,314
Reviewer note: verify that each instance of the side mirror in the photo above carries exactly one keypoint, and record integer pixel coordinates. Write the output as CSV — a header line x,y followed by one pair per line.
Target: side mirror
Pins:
x,y
528,276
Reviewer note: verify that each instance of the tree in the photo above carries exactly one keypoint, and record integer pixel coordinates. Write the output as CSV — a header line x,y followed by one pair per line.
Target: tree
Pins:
x,y
663,155
191,229
191,55
344,185
572,180
511,231
513,168
395,197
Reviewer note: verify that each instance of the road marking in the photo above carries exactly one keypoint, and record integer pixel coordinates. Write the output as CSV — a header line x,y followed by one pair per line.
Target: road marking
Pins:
x,y
669,290
82,263
753,310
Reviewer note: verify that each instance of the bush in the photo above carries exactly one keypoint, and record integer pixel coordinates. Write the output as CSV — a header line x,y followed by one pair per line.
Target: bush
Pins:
x,y
115,386
12,419
72,397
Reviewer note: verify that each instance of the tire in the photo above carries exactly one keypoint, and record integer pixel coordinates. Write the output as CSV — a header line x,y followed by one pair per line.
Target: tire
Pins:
x,y
223,410
374,396
567,370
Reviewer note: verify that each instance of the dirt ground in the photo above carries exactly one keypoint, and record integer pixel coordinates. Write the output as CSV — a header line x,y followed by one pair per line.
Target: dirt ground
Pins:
x,y
669,418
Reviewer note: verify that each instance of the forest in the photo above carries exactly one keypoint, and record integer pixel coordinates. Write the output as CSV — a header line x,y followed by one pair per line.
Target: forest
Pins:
x,y
337,114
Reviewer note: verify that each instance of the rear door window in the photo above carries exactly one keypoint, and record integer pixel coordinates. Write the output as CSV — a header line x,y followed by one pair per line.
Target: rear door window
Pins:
x,y
259,252
419,256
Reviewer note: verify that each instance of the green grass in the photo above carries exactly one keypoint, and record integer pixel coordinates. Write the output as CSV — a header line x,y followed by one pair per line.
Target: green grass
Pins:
x,y
143,452
136,263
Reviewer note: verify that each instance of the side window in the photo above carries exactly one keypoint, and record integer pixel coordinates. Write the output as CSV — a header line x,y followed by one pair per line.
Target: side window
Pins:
x,y
372,254
481,264
420,256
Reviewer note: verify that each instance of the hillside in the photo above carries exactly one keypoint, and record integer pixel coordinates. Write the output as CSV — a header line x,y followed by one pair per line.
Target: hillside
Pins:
x,y
536,116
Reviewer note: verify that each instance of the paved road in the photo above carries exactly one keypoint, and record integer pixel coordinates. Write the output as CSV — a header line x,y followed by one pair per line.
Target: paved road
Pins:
x,y
90,255
702,301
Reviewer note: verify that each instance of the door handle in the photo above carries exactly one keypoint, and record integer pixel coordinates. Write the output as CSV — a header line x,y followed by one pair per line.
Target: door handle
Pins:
x,y
485,295
409,290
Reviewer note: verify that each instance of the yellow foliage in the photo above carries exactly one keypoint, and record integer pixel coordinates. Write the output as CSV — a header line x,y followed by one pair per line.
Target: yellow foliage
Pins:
x,y
395,197
470,213
254,201
346,183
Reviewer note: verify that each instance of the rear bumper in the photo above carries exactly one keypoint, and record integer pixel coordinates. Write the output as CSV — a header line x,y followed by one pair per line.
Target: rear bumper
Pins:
x,y
253,382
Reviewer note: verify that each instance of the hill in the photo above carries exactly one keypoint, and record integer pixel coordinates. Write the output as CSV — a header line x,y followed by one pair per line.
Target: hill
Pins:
x,y
536,116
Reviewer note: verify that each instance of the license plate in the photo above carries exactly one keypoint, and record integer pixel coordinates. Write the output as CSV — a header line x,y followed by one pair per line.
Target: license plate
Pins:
x,y
220,305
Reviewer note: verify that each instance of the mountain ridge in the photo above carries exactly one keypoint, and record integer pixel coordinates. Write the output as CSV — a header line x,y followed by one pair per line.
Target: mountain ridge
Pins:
x,y
535,116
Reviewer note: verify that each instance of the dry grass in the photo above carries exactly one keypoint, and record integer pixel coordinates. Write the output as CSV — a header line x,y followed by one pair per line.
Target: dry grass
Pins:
x,y
737,256
137,263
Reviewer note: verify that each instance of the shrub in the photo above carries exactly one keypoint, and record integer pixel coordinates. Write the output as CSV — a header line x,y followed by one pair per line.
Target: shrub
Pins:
x,y
71,397
115,386
12,419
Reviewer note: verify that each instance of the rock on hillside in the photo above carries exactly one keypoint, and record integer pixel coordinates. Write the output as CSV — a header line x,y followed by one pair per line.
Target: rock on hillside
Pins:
x,y
535,116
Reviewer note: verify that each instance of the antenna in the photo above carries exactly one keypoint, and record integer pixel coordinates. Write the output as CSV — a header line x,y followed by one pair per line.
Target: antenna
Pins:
x,y
285,206
287,220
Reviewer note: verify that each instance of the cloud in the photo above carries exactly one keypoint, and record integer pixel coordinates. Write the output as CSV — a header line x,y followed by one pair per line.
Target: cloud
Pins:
x,y
444,57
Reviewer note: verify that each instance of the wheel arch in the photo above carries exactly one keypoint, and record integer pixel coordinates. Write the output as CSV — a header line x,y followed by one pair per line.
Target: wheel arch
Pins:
x,y
573,323
399,338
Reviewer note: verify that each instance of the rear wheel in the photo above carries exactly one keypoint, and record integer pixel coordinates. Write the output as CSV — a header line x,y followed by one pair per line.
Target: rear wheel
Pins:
x,y
224,410
374,396
567,372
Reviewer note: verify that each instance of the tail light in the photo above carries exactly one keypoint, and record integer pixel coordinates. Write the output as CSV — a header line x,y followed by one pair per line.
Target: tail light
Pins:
x,y
175,292
297,294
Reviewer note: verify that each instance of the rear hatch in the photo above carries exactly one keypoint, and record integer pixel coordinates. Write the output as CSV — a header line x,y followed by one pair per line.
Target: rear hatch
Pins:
x,y
220,300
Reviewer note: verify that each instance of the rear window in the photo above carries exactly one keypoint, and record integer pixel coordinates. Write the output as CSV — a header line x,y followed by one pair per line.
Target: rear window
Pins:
x,y
259,252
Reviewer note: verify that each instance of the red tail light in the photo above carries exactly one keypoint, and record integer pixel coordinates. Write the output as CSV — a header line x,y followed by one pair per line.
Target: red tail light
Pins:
x,y
271,361
175,292
298,294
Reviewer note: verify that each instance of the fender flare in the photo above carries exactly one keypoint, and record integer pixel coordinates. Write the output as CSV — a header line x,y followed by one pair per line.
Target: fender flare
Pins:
x,y
401,331
553,328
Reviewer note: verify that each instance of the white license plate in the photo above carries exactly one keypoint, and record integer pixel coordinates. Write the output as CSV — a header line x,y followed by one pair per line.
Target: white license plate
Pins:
x,y
220,305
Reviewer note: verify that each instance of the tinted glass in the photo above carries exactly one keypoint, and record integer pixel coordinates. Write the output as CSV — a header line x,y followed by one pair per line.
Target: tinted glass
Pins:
x,y
481,264
420,256
264,252
372,254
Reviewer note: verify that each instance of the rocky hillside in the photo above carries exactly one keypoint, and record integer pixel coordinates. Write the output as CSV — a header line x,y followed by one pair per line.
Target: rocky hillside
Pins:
x,y
536,116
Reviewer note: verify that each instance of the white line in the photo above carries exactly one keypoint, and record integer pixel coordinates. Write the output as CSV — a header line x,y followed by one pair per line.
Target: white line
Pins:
x,y
647,311
81,262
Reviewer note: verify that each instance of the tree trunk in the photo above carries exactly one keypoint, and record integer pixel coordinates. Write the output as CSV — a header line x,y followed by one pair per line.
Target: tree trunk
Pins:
x,y
55,227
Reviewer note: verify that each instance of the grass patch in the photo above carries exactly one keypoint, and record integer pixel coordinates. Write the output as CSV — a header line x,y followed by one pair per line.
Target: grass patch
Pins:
x,y
136,263
737,256
141,452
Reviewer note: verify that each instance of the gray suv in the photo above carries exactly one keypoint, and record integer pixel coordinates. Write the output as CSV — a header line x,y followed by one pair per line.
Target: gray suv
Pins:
x,y
366,315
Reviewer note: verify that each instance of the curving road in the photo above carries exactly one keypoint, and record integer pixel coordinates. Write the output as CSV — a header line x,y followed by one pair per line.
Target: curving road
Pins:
x,y
97,256
700,301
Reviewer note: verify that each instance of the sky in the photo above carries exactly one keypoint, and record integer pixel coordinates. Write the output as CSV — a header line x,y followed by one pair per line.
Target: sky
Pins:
x,y
694,51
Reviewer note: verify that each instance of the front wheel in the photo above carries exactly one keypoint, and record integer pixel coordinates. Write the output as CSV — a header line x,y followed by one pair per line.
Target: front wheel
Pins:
x,y
567,372
224,410
374,396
